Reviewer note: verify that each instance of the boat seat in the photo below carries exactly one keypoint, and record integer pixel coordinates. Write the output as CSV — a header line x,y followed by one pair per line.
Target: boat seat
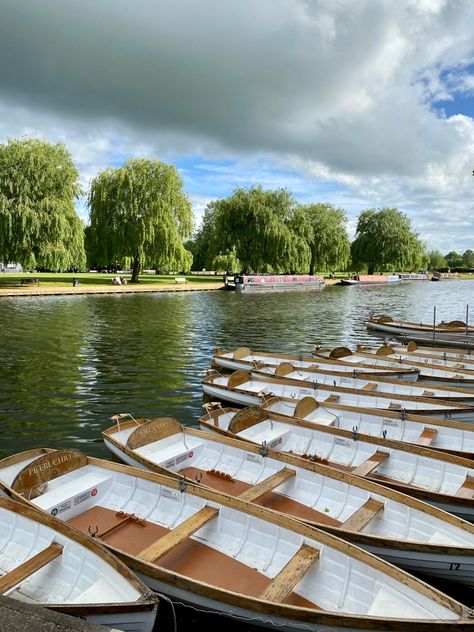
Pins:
x,y
290,575
332,398
427,436
467,488
24,570
268,484
173,538
370,464
370,386
73,494
394,406
427,394
361,518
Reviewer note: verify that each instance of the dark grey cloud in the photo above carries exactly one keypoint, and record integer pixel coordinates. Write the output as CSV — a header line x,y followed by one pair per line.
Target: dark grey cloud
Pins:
x,y
326,81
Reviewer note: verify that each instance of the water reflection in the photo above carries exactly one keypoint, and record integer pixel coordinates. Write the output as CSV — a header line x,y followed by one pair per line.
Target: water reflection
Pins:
x,y
68,363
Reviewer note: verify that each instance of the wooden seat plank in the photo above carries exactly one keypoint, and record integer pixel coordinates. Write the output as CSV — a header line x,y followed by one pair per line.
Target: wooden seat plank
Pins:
x,y
165,544
24,570
333,398
290,575
371,463
370,386
427,436
363,515
467,488
267,484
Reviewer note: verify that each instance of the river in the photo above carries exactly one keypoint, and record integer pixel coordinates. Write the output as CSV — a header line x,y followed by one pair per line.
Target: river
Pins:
x,y
67,364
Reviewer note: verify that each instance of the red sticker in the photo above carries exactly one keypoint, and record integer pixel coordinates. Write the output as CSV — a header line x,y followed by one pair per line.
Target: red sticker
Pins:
x,y
93,492
190,454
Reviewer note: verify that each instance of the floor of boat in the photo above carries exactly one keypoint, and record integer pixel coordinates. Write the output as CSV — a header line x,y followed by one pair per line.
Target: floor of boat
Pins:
x,y
189,558
271,500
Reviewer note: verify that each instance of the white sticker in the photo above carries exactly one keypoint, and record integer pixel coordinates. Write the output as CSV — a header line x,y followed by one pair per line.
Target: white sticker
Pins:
x,y
253,457
391,422
170,493
344,442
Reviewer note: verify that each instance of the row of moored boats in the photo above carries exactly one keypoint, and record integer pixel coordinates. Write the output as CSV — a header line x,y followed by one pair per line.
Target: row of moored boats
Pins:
x,y
341,478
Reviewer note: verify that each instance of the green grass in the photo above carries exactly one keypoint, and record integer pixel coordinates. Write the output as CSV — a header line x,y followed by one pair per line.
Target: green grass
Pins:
x,y
87,278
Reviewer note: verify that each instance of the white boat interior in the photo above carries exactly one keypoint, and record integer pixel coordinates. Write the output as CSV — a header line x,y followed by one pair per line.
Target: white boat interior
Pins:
x,y
244,358
387,352
427,372
234,549
312,493
426,432
408,467
56,569
415,351
370,394
278,397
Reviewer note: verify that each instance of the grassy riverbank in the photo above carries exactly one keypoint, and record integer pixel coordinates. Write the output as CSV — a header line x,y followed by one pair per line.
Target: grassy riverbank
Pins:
x,y
59,280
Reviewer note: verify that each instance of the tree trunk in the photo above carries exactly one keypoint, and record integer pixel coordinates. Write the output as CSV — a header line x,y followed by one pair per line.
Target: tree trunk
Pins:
x,y
370,270
135,270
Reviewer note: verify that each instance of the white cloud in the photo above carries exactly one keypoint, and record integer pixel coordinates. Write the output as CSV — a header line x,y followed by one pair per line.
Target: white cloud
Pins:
x,y
331,91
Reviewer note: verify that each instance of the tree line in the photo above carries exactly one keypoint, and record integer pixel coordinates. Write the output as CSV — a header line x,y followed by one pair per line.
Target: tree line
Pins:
x,y
140,217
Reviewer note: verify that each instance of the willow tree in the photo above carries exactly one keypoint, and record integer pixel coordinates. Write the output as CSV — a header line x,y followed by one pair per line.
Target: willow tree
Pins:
x,y
386,241
324,228
39,226
255,223
139,211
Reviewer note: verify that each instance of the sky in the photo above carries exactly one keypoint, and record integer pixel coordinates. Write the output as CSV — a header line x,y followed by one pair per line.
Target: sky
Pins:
x,y
360,103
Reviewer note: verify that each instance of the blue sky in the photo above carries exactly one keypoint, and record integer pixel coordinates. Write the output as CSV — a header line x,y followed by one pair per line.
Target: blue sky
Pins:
x,y
362,104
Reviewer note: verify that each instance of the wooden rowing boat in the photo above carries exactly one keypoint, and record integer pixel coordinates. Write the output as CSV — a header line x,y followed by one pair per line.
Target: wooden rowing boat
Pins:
x,y
48,563
244,358
455,332
308,370
419,351
368,394
401,529
247,389
428,373
401,353
230,556
444,480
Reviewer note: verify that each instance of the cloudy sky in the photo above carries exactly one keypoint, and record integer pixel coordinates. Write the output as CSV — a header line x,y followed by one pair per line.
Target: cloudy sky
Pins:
x,y
362,103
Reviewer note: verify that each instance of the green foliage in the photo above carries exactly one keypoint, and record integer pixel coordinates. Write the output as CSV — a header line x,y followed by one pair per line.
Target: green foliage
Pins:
x,y
256,224
385,241
203,246
226,261
140,211
436,260
39,226
324,228
454,259
468,258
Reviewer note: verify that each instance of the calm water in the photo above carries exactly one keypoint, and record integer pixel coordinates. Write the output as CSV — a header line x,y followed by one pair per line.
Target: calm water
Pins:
x,y
67,364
